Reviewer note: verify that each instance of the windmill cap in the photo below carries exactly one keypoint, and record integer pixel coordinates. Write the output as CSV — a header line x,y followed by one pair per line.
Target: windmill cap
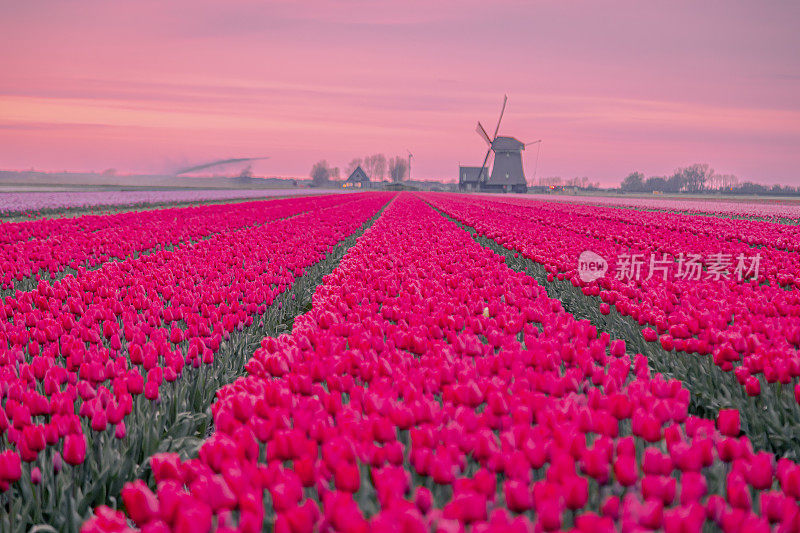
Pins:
x,y
507,143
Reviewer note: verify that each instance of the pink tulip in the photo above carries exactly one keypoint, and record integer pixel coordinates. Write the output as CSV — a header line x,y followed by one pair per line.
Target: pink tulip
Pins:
x,y
728,422
10,466
140,503
625,470
74,449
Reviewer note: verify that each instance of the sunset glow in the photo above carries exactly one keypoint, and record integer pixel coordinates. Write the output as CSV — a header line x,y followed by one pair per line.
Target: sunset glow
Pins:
x,y
610,87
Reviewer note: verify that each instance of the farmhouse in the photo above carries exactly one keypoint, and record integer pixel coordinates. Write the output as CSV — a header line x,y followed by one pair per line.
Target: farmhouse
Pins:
x,y
469,178
358,179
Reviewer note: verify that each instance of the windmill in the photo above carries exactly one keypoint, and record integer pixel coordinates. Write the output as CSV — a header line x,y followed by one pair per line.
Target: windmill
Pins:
x,y
507,173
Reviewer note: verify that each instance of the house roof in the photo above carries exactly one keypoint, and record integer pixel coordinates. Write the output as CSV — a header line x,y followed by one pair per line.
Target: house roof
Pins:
x,y
358,175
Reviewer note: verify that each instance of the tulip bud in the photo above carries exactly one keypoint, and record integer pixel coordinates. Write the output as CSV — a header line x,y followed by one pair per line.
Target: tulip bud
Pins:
x,y
728,422
625,470
667,343
10,466
99,420
151,390
75,449
519,497
610,507
347,477
753,386
693,487
36,476
617,348
649,334
577,492
140,503
652,514
759,473
57,463
423,500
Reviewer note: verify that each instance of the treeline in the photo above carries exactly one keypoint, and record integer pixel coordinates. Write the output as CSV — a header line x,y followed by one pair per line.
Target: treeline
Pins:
x,y
700,178
376,166
580,182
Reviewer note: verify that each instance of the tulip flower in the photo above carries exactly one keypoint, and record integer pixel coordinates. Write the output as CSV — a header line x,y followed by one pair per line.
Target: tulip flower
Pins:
x,y
57,463
36,475
10,466
625,470
74,449
753,386
423,500
728,422
140,503
760,471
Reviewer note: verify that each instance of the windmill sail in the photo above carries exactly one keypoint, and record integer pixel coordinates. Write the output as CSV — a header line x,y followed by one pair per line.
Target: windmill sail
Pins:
x,y
503,110
483,134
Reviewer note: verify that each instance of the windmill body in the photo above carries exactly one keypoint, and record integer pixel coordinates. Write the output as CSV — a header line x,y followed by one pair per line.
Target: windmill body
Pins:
x,y
507,172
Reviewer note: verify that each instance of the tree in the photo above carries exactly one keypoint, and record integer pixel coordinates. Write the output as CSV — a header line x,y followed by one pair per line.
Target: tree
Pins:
x,y
655,183
375,166
633,182
676,182
367,165
354,164
398,168
321,173
380,167
696,177
725,181
552,181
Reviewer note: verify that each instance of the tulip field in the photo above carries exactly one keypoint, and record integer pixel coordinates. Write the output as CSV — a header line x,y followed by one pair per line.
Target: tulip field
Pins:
x,y
39,203
407,362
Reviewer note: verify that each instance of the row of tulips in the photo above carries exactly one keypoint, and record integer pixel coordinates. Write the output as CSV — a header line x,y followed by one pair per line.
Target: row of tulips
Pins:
x,y
430,387
684,233
750,325
49,247
81,358
749,330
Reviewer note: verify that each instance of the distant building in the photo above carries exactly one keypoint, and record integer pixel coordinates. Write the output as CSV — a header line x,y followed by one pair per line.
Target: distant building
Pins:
x,y
507,174
358,179
469,178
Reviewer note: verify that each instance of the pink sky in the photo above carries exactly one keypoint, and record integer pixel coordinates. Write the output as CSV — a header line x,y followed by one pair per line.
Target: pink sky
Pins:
x,y
610,87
